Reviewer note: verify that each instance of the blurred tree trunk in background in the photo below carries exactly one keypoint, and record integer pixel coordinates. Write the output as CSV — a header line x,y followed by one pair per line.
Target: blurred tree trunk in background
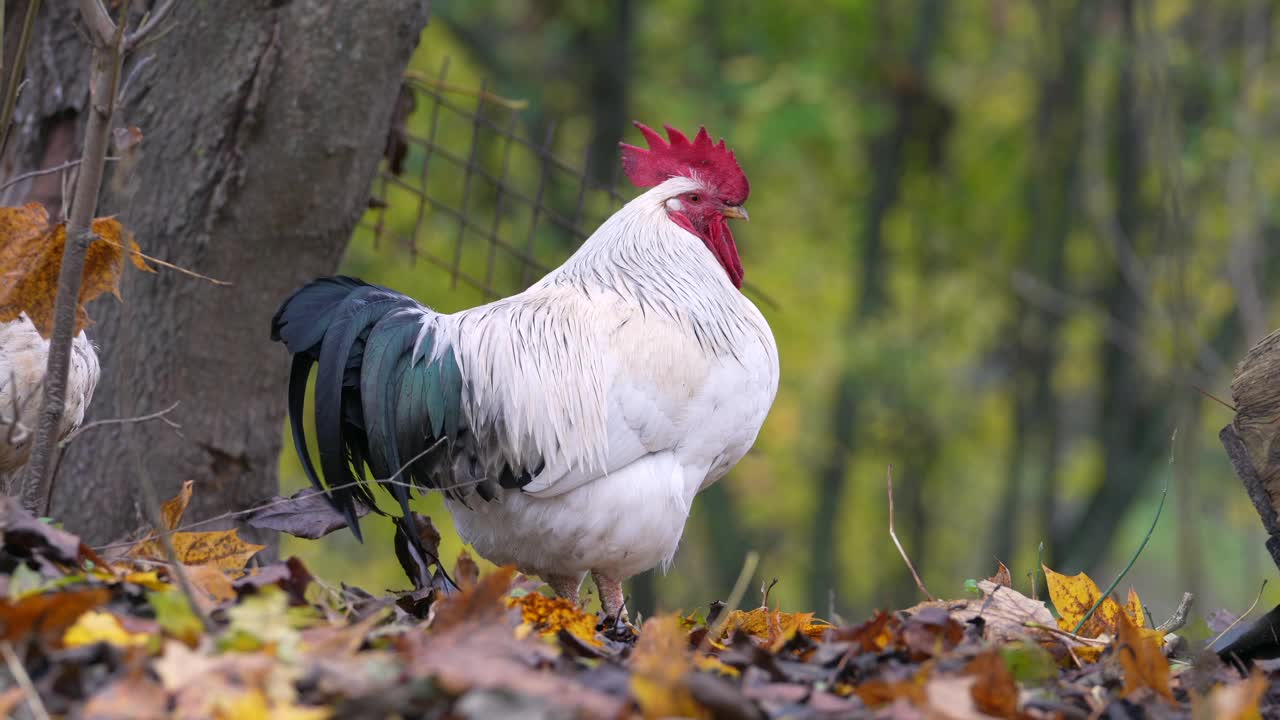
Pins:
x,y
905,94
1052,196
263,124
1130,430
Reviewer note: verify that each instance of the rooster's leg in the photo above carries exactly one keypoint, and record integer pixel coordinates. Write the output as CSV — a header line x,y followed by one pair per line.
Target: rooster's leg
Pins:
x,y
611,598
566,586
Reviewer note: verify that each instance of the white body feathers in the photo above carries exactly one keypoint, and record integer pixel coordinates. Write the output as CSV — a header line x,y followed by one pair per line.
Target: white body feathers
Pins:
x,y
636,372
23,357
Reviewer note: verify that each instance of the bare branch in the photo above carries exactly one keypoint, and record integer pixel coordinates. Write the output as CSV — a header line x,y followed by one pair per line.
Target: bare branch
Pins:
x,y
149,24
101,27
160,415
104,78
46,171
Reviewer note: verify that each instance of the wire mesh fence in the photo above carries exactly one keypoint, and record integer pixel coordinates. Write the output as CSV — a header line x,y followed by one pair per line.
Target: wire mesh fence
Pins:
x,y
467,191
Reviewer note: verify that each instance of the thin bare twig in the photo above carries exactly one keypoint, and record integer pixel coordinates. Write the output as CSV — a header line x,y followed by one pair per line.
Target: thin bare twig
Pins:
x,y
282,501
46,171
149,23
24,681
164,264
735,596
1243,615
893,534
159,415
1179,617
1214,398
14,86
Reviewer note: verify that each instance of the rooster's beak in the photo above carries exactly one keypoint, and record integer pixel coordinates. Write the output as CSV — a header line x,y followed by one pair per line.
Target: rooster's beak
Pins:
x,y
735,211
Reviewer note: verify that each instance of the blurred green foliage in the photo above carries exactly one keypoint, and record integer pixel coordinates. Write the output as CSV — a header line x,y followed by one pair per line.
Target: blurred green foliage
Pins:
x,y
1007,242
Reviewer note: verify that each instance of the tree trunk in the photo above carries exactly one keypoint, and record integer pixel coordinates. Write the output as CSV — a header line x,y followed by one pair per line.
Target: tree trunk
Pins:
x,y
263,125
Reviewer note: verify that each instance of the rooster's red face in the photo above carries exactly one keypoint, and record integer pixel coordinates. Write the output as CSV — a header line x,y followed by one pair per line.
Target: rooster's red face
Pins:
x,y
722,187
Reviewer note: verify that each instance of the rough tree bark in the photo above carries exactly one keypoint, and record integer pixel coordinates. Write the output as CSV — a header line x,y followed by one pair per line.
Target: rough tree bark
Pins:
x,y
264,122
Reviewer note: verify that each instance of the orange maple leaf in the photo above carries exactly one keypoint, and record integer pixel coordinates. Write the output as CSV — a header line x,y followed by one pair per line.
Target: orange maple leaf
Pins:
x,y
31,257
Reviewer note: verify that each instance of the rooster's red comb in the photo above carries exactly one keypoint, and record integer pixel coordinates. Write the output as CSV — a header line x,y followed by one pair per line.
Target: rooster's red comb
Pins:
x,y
711,162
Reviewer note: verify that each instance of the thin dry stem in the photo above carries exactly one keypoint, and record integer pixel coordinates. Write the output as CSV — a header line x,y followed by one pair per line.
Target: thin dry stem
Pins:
x,y
1243,615
34,703
164,264
159,415
893,534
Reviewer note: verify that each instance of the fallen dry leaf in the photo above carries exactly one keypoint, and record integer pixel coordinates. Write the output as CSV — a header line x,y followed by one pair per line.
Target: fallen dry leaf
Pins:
x,y
175,507
1236,701
47,615
220,548
658,664
549,616
774,627
305,514
212,581
31,255
96,626
1002,576
1142,660
133,697
1006,613
1074,595
994,690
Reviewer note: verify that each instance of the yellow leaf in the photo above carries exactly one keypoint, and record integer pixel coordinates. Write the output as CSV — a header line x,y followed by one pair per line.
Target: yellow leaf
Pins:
x,y
713,664
1073,596
31,257
98,626
550,615
222,549
659,663
149,580
773,626
1133,607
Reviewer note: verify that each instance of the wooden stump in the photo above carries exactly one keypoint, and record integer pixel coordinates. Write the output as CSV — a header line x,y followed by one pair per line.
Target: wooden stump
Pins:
x,y
1252,440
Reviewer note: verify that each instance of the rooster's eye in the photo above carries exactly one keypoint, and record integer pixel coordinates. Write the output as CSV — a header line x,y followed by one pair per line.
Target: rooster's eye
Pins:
x,y
693,198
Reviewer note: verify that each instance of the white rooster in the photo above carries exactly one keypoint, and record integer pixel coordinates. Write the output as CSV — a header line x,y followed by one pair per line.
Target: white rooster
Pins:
x,y
23,357
569,426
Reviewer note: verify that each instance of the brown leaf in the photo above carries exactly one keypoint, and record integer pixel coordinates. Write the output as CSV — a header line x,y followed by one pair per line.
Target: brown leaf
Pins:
x,y
305,514
47,615
481,602
212,581
994,690
175,507
31,256
291,576
1002,576
931,631
1142,660
472,645
1006,612
133,696
659,663
26,536
465,570
415,567
221,548
874,635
